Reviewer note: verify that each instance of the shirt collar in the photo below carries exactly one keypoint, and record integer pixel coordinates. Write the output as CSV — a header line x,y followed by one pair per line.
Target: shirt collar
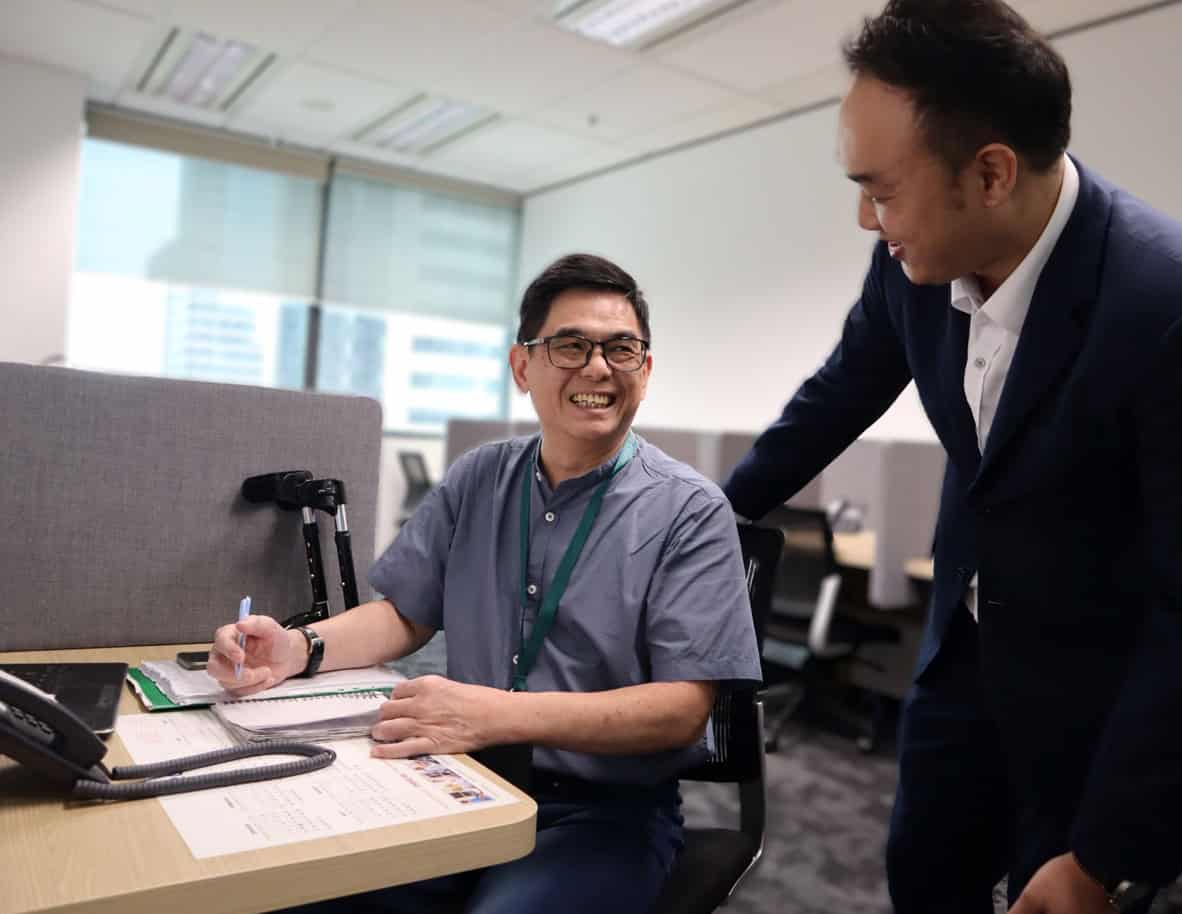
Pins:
x,y
1008,305
577,483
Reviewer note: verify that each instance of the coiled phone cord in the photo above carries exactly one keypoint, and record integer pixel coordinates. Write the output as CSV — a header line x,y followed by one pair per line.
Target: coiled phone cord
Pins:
x,y
159,782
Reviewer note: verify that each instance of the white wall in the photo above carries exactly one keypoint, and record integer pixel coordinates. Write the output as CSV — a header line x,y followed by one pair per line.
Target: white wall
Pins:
x,y
748,250
41,110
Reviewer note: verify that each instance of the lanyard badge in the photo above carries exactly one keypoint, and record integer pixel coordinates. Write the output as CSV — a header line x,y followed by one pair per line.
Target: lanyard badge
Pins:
x,y
524,659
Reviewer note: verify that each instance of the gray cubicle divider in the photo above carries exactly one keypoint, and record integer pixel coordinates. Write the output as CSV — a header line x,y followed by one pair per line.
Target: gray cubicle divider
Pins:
x,y
856,477
911,475
124,523
698,449
897,485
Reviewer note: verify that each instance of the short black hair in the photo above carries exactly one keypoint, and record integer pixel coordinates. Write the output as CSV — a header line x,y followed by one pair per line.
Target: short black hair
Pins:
x,y
977,72
577,271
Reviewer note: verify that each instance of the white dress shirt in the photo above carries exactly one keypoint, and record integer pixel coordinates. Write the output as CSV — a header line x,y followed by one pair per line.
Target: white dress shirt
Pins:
x,y
996,323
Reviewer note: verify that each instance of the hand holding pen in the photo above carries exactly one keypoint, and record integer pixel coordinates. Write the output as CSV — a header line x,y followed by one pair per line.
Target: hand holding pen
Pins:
x,y
275,653
243,612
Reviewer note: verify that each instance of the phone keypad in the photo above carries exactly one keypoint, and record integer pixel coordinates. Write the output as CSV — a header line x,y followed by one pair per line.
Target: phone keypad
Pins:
x,y
33,725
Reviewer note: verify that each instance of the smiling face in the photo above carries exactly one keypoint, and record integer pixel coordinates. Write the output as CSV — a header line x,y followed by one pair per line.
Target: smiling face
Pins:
x,y
935,222
586,412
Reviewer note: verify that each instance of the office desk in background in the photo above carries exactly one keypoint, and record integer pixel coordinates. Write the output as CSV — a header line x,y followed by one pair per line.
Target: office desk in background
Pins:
x,y
889,667
59,855
856,550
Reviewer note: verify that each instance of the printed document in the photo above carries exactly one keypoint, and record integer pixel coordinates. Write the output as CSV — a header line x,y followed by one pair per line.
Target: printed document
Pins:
x,y
354,793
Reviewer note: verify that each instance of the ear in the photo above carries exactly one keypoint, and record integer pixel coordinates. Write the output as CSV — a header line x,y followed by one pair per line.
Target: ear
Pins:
x,y
996,170
519,365
644,374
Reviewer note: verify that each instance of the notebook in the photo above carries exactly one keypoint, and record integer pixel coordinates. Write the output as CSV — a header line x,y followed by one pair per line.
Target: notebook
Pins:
x,y
163,685
90,690
306,717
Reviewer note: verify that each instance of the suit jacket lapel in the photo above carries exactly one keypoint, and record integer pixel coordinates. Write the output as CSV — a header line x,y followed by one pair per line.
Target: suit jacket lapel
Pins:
x,y
961,443
1055,325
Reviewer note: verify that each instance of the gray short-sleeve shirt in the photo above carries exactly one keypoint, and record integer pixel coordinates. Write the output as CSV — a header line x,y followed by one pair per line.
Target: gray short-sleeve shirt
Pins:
x,y
658,593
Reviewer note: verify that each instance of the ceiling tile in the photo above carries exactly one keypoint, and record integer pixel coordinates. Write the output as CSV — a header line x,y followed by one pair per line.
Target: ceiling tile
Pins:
x,y
577,167
100,43
422,43
801,91
166,107
535,63
274,25
771,43
512,144
641,98
533,9
1051,15
316,104
704,124
497,173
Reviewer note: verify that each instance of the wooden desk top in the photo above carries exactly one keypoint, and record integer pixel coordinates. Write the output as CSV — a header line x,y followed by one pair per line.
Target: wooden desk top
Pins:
x,y
856,550
63,855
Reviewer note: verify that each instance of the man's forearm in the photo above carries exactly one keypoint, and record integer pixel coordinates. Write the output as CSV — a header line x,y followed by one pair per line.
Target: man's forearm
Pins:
x,y
635,720
371,633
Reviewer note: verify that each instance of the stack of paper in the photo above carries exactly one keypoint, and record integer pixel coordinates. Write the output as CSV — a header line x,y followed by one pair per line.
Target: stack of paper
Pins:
x,y
183,688
311,717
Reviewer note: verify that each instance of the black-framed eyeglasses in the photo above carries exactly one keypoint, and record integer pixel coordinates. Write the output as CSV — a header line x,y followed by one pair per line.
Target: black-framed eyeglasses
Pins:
x,y
568,350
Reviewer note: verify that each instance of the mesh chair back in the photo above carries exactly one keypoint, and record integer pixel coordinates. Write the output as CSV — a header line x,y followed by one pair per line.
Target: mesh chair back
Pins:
x,y
738,732
808,558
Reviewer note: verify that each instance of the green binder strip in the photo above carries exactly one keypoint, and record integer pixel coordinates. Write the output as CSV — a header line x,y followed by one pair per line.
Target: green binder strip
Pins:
x,y
150,695
153,699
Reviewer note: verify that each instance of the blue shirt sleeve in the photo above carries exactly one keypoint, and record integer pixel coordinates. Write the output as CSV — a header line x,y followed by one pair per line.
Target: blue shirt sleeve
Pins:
x,y
699,622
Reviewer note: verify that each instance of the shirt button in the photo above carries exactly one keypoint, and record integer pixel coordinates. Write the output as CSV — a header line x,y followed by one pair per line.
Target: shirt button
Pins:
x,y
538,475
979,362
549,517
532,589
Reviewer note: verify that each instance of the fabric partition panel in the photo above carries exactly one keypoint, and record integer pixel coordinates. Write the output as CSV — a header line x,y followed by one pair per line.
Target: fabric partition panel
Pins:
x,y
126,523
911,473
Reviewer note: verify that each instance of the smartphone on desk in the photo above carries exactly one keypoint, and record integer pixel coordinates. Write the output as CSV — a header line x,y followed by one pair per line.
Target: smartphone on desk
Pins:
x,y
41,733
192,660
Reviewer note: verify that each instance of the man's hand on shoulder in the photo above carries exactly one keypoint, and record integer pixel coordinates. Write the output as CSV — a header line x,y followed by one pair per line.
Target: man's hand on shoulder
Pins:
x,y
1062,887
432,714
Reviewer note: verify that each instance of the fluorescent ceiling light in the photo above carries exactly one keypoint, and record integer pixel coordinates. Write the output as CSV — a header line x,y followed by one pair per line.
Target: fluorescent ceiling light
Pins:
x,y
636,23
200,70
424,124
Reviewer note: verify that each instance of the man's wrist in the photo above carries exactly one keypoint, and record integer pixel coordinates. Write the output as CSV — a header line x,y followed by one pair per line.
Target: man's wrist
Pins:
x,y
298,650
1122,894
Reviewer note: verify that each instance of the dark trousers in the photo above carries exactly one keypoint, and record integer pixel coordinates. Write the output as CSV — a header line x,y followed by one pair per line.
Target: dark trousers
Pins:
x,y
958,826
597,850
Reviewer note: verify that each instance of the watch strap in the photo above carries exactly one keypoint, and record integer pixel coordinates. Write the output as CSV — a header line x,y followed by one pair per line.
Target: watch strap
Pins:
x,y
315,650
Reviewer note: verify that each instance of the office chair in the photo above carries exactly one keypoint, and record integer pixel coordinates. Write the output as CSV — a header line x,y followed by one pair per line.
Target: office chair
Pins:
x,y
714,861
418,483
807,636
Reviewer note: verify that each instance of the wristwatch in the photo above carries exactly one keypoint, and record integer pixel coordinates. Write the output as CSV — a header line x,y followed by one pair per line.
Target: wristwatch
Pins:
x,y
315,650
1123,895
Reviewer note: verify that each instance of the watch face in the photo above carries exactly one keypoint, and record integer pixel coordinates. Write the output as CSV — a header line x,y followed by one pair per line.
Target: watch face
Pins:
x,y
1128,897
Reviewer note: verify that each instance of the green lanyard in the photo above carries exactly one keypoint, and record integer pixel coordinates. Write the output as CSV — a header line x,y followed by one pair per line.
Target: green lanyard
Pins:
x,y
523,660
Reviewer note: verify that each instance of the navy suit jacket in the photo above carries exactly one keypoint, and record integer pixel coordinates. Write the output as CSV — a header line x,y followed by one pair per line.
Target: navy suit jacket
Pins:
x,y
1072,515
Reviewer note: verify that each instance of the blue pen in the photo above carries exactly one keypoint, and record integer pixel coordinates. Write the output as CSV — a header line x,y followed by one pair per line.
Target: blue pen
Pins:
x,y
243,612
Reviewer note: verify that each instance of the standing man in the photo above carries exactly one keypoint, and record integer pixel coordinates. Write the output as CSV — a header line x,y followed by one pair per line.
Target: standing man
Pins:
x,y
1039,311
594,598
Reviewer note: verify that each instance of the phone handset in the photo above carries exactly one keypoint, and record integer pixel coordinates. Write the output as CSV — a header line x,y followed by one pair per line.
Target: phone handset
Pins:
x,y
38,731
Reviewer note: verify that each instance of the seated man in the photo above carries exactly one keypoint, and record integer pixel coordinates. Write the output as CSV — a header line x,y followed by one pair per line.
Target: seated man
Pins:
x,y
594,599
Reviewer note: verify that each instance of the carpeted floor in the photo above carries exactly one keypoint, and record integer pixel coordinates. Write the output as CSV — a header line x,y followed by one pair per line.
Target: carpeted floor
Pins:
x,y
828,810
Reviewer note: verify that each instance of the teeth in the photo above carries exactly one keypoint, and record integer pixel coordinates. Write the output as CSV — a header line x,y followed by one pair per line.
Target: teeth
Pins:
x,y
591,400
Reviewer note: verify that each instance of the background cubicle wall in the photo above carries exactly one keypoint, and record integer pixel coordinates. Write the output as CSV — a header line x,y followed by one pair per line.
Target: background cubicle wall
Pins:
x,y
895,484
124,523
